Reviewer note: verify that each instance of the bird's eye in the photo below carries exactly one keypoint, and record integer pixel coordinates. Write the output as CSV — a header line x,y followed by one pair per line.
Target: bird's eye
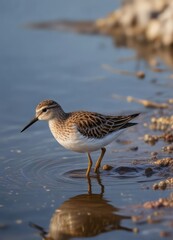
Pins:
x,y
44,110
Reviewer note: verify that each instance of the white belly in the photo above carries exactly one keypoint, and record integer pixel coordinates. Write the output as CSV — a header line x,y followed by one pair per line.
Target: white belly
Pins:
x,y
78,143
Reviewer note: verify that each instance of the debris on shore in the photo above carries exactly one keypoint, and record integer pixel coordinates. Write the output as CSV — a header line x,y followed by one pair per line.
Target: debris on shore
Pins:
x,y
145,20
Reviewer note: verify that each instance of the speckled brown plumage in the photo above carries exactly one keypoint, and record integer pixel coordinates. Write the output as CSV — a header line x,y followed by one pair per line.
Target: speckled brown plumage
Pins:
x,y
45,103
95,125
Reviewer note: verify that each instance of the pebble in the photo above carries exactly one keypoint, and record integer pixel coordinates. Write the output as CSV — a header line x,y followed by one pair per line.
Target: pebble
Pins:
x,y
107,167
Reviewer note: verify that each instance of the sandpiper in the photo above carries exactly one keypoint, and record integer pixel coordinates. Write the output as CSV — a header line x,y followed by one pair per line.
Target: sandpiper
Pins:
x,y
81,131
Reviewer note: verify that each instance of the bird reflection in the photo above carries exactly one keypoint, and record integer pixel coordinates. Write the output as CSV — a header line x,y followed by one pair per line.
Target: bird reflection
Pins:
x,y
84,215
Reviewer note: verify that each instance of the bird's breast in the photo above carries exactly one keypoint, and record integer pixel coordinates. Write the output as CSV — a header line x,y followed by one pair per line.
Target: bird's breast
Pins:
x,y
73,140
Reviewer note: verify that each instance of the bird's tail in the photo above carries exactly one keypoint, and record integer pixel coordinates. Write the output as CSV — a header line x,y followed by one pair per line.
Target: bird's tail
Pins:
x,y
128,125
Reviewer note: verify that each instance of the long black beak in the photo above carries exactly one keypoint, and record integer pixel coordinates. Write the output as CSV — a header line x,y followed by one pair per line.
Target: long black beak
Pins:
x,y
29,124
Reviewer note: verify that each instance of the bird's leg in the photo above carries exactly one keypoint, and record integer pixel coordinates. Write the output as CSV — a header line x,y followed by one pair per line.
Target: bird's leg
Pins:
x,y
89,165
97,166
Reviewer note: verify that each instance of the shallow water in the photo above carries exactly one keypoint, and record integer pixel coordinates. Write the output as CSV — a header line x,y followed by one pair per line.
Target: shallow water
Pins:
x,y
37,176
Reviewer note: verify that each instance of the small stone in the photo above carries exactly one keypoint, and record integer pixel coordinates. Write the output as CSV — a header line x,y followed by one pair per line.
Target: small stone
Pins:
x,y
154,120
140,74
3,226
134,148
170,100
135,230
162,185
153,154
148,171
155,186
136,218
107,167
150,219
168,149
18,221
145,124
150,139
165,234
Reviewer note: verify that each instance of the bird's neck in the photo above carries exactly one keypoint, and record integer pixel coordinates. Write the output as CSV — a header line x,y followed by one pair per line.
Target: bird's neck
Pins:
x,y
58,123
60,115
58,120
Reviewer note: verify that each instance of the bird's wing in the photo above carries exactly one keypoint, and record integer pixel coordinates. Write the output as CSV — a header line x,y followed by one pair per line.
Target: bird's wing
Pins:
x,y
94,125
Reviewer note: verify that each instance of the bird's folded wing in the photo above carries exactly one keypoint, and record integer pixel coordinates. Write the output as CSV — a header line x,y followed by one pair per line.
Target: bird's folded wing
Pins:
x,y
96,125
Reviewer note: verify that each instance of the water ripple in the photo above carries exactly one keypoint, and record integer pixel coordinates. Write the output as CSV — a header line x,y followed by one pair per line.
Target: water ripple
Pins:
x,y
65,172
33,172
